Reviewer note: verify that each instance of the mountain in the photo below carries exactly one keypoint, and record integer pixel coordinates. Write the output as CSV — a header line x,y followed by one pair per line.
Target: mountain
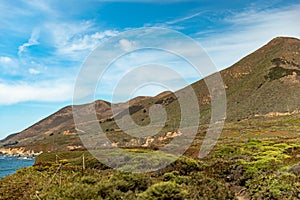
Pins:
x,y
264,83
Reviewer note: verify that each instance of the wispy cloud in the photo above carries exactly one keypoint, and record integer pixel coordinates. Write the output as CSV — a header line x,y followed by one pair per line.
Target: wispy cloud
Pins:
x,y
44,42
126,44
141,68
41,6
48,54
76,40
46,91
33,71
5,60
182,19
72,40
8,65
238,33
33,40
248,31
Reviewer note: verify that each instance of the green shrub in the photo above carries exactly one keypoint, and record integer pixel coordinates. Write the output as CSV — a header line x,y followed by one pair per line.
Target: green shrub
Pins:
x,y
170,175
164,191
264,156
130,181
185,165
271,186
108,190
200,186
88,180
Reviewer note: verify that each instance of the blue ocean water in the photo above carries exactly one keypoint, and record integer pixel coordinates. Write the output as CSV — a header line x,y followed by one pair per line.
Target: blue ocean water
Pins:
x,y
9,165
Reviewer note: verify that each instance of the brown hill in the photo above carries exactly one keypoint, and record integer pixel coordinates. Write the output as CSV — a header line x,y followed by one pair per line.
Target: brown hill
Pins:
x,y
264,82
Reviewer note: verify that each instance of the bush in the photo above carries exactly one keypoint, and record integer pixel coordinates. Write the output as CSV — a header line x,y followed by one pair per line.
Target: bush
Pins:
x,y
74,191
185,165
170,175
123,185
271,186
164,190
202,187
88,180
130,181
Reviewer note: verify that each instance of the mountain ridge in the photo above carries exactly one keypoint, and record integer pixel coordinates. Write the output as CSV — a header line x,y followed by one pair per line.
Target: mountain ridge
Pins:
x,y
267,80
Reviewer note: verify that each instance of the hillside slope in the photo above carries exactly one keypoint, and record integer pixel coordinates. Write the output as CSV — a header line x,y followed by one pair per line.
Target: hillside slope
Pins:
x,y
265,82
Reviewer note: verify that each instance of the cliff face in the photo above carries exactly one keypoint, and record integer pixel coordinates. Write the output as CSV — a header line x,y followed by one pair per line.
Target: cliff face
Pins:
x,y
19,152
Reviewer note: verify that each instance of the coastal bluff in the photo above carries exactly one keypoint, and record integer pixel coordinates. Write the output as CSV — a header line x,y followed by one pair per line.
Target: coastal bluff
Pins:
x,y
19,152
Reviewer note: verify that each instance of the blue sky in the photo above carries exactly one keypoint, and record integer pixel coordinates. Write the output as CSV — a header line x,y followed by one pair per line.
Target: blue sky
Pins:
x,y
44,43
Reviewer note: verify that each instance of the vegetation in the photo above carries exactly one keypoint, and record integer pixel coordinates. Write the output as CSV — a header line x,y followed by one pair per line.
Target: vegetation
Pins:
x,y
257,155
246,163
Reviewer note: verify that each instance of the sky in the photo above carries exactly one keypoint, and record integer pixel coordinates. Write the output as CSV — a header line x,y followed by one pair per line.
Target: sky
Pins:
x,y
43,44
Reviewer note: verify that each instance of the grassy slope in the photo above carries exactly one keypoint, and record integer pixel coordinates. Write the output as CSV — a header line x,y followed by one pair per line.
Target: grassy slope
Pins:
x,y
258,84
254,158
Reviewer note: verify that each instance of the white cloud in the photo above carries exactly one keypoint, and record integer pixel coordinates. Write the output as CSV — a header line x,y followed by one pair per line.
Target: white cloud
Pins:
x,y
76,40
11,13
5,59
41,6
42,91
177,23
126,45
184,18
33,40
249,31
8,65
33,71
147,69
85,43
104,34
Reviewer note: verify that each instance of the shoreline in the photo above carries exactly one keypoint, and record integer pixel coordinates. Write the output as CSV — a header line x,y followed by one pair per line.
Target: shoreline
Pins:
x,y
10,164
17,157
18,152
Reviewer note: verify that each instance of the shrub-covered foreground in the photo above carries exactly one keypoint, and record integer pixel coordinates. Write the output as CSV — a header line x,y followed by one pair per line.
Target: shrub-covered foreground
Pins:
x,y
267,168
63,180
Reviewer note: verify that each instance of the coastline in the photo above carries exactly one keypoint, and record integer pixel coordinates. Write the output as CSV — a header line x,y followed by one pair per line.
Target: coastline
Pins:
x,y
18,152
10,164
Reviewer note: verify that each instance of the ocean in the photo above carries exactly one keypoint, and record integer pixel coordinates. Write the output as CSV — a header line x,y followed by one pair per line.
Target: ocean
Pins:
x,y
9,165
